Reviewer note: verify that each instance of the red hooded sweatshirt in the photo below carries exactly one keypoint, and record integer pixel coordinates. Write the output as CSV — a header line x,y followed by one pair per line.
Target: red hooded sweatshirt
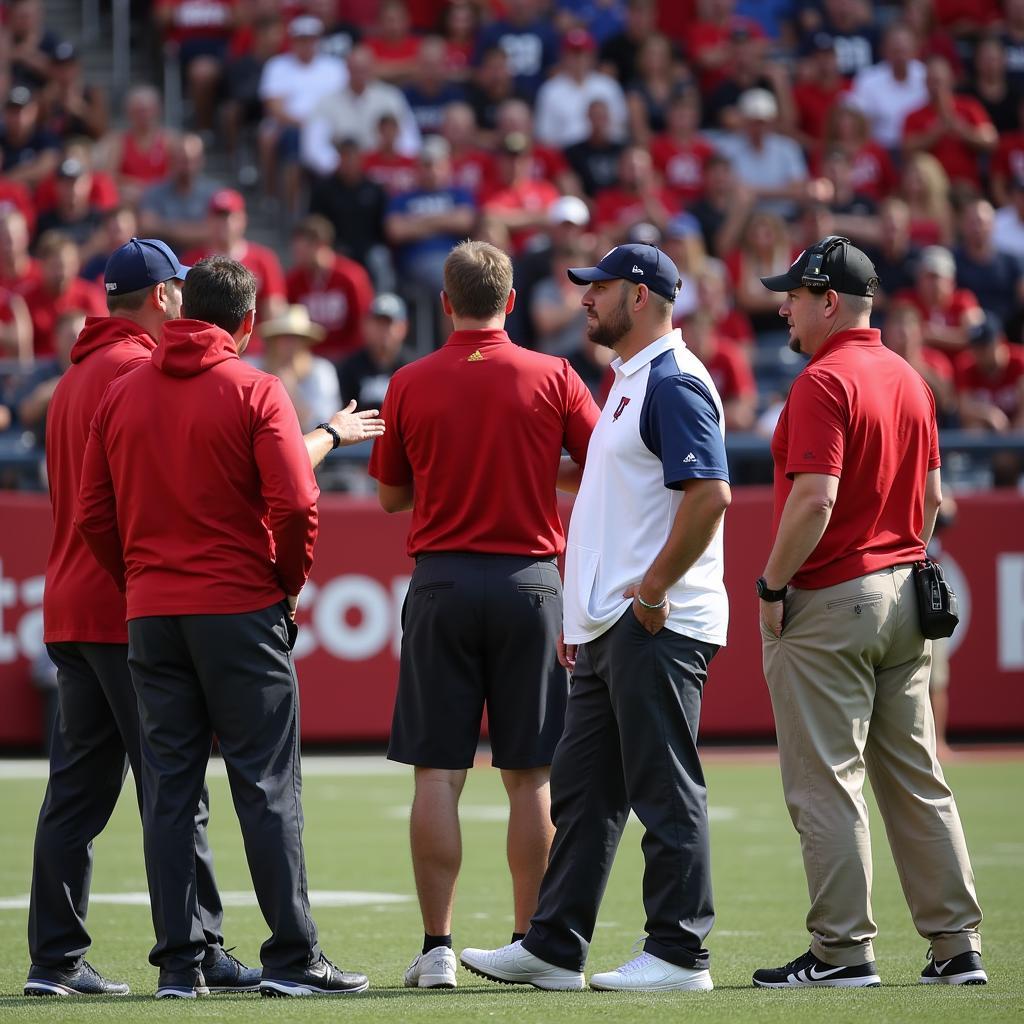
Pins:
x,y
197,493
81,603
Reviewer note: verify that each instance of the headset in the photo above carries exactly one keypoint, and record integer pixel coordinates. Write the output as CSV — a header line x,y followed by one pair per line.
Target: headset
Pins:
x,y
812,276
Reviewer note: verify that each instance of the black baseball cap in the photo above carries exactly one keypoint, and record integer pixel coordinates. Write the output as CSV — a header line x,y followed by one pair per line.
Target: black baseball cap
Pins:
x,y
844,268
141,263
636,262
985,331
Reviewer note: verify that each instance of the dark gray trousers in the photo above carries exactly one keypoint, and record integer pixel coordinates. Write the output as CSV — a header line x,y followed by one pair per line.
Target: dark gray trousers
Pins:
x,y
95,738
630,742
233,676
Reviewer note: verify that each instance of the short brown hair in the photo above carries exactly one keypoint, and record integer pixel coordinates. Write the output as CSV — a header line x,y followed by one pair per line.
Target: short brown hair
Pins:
x,y
316,229
219,290
477,280
128,300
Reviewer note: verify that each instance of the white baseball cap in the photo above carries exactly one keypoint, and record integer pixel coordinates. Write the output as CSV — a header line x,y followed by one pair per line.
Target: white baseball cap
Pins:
x,y
569,210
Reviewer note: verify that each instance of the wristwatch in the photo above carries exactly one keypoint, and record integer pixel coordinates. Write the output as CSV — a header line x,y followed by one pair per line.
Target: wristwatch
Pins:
x,y
330,430
767,594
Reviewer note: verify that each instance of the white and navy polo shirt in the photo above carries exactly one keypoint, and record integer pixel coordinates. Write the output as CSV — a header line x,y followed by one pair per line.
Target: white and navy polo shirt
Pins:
x,y
662,425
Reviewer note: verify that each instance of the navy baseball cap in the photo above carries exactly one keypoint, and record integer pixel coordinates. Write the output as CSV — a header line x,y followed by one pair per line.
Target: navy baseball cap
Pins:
x,y
637,262
141,263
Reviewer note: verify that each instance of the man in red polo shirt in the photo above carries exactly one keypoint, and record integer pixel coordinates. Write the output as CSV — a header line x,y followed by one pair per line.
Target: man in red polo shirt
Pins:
x,y
475,436
856,494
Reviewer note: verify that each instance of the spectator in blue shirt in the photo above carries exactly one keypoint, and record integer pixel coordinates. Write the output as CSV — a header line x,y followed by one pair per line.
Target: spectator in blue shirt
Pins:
x,y
528,37
425,223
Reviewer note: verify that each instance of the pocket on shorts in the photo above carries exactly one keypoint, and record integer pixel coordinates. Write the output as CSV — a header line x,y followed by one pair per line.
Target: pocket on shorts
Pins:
x,y
431,588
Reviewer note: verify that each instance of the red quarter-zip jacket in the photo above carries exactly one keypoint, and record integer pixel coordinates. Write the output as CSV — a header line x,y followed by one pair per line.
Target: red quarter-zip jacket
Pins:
x,y
197,494
81,603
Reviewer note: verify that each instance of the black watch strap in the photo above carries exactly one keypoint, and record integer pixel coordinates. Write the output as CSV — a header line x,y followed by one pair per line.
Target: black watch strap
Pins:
x,y
330,430
766,594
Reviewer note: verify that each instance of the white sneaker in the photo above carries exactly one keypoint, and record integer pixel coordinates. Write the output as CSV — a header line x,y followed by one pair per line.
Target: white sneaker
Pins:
x,y
648,973
433,969
515,965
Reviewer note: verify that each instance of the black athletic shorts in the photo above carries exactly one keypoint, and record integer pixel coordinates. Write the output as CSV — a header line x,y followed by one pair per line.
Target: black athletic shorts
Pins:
x,y
480,628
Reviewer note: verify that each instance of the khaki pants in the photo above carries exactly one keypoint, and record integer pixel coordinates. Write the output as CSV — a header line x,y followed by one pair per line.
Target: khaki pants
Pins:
x,y
849,687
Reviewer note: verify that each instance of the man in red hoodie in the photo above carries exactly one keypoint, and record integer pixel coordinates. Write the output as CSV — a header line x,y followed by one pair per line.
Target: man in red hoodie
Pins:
x,y
211,538
97,732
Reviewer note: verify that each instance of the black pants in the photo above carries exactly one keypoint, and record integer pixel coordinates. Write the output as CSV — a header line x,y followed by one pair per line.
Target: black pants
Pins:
x,y
197,675
95,738
630,741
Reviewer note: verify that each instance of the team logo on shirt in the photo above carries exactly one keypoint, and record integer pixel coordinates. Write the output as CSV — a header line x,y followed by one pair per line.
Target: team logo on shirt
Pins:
x,y
475,357
623,402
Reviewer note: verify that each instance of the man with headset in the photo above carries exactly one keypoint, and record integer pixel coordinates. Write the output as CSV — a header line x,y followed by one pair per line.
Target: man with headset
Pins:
x,y
856,494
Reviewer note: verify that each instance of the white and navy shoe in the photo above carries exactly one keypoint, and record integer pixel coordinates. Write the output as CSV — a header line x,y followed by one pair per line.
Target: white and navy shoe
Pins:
x,y
649,973
963,969
514,965
808,971
433,969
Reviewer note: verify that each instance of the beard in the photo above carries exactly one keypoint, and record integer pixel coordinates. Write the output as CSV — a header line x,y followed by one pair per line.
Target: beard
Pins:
x,y
794,345
615,327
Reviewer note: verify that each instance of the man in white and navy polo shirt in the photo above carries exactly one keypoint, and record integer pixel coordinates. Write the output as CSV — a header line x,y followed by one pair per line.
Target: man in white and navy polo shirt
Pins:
x,y
645,612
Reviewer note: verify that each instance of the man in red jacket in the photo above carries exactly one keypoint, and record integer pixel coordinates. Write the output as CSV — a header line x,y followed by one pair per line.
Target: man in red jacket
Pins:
x,y
212,539
97,732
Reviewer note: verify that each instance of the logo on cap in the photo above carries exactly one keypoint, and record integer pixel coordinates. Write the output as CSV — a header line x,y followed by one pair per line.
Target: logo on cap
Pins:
x,y
637,270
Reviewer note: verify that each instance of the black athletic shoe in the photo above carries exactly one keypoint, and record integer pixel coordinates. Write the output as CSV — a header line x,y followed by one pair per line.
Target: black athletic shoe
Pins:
x,y
808,971
83,980
319,979
225,973
181,985
963,969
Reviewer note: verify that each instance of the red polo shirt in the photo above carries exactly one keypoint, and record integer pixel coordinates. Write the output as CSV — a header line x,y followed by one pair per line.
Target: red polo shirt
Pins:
x,y
337,299
861,413
478,428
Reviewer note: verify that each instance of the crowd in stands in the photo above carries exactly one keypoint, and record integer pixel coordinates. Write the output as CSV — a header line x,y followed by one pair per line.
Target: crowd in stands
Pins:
x,y
377,133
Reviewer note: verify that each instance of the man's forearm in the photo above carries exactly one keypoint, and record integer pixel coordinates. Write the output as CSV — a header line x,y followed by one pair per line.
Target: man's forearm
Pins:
x,y
319,444
697,519
803,524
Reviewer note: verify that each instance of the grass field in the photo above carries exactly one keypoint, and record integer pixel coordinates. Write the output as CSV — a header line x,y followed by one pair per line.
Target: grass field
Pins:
x,y
356,843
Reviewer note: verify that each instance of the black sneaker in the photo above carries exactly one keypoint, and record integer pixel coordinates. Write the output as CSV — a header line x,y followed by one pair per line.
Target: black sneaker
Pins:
x,y
808,971
181,985
962,969
82,980
319,979
225,973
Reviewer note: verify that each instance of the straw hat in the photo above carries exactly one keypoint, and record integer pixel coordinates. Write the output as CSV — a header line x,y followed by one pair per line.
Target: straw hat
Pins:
x,y
295,322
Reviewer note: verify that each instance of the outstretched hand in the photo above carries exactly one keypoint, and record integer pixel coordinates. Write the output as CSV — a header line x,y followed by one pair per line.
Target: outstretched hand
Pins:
x,y
354,427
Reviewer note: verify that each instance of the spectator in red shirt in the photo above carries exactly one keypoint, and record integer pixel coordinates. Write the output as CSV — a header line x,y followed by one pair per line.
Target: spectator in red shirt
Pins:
x,y
226,224
335,290
715,296
394,171
519,202
471,165
14,197
679,153
903,333
819,85
140,155
395,47
947,311
954,128
59,290
847,129
708,46
728,366
548,163
18,270
765,249
639,196
990,386
201,31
